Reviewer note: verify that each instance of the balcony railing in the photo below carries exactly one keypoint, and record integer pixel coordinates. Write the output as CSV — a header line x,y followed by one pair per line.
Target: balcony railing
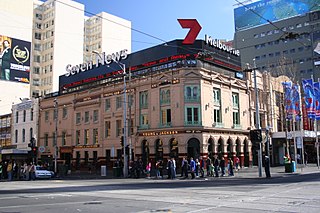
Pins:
x,y
191,99
165,125
144,126
193,123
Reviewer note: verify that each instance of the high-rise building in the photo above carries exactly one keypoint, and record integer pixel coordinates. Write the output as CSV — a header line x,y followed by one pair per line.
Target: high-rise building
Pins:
x,y
15,51
280,35
106,33
62,35
57,40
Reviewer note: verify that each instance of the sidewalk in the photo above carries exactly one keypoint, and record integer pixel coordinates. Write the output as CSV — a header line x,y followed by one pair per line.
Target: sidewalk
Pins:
x,y
247,172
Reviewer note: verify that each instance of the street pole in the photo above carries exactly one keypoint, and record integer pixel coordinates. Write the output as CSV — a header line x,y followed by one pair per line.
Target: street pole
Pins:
x,y
56,136
125,129
257,116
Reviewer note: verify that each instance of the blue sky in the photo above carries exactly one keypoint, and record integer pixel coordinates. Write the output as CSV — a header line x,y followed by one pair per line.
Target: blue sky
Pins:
x,y
159,18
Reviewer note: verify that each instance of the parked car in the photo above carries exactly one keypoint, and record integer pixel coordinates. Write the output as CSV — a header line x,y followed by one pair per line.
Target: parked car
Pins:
x,y
42,172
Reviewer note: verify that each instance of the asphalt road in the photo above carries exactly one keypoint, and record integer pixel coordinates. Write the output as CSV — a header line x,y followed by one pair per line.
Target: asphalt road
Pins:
x,y
294,193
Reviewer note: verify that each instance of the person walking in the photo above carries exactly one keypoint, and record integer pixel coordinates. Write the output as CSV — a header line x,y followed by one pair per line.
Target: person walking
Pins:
x,y
222,166
230,169
148,169
197,167
185,167
216,166
173,168
236,162
169,165
9,171
32,171
208,164
192,167
157,169
201,167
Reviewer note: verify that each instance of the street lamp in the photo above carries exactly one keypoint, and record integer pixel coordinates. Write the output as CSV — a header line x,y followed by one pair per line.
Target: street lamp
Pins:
x,y
56,135
125,126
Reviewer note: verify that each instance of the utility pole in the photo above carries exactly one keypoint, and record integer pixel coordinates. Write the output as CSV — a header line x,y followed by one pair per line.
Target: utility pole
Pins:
x,y
56,136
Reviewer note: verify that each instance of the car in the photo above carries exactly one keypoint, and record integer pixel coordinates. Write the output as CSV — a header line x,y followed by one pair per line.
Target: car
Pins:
x,y
41,172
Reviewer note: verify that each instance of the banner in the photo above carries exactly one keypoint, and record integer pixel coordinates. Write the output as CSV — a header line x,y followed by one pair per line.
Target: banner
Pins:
x,y
316,87
309,98
295,94
287,86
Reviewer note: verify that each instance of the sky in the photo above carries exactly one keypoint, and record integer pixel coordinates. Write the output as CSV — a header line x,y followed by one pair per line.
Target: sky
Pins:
x,y
159,18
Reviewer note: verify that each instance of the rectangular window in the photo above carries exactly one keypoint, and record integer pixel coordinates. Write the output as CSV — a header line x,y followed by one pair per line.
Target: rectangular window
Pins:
x,y
17,117
95,136
144,120
31,114
46,139
24,115
236,118
64,138
77,137
23,135
95,115
216,97
166,117
192,116
143,97
118,102
165,96
86,136
107,105
192,94
235,100
16,135
217,116
107,128
86,117
118,128
78,118
64,112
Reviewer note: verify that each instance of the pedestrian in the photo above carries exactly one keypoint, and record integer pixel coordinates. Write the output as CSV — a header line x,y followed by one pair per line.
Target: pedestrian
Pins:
x,y
306,158
169,165
185,167
236,162
201,161
230,169
192,167
222,166
0,170
197,167
32,171
10,170
148,169
157,169
161,168
267,167
182,167
173,168
208,164
26,173
216,166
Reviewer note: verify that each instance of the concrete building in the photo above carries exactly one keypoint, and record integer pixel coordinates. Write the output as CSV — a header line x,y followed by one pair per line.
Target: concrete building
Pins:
x,y
57,40
16,30
284,47
105,33
181,103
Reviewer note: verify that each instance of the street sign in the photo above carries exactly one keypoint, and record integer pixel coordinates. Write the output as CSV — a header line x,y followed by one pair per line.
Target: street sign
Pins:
x,y
289,135
299,143
42,149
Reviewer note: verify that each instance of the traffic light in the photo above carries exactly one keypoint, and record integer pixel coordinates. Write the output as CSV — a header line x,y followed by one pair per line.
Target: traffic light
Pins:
x,y
256,135
121,141
32,143
34,151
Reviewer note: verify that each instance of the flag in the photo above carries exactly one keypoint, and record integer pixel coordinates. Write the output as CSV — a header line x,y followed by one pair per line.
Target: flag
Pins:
x,y
309,97
295,94
316,86
287,86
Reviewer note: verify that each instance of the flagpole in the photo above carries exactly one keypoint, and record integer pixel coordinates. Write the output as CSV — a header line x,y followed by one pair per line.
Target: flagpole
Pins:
x,y
301,128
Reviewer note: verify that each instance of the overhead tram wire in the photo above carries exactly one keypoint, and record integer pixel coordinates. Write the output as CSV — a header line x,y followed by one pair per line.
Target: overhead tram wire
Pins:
x,y
95,15
289,35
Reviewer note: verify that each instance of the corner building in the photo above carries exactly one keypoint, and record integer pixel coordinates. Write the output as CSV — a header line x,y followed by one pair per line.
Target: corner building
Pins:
x,y
182,101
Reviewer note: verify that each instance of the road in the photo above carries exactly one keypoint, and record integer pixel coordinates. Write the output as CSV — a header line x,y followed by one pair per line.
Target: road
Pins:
x,y
294,193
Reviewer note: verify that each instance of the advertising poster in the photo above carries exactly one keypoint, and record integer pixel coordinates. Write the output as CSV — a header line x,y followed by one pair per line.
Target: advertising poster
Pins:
x,y
14,59
259,12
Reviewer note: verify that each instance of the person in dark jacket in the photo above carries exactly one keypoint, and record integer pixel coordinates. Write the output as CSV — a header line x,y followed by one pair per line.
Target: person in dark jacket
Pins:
x,y
169,165
222,166
216,166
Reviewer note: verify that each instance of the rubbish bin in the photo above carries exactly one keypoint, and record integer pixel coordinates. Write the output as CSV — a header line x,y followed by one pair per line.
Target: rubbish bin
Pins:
x,y
288,167
116,171
103,171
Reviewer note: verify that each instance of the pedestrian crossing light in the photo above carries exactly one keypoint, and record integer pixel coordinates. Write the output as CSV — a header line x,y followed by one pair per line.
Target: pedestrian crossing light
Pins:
x,y
121,141
256,135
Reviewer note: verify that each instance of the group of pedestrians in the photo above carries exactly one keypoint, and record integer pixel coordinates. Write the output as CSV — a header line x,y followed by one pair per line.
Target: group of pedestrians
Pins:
x,y
11,170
